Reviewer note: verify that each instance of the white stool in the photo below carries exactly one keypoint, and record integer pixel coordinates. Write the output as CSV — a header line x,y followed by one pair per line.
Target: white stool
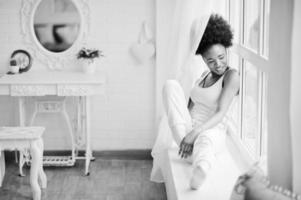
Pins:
x,y
20,138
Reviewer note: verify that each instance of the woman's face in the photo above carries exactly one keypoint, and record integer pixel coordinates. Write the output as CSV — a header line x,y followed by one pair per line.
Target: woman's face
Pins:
x,y
216,59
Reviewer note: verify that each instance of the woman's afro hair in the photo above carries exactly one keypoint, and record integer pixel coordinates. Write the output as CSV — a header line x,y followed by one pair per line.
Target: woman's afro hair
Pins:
x,y
217,31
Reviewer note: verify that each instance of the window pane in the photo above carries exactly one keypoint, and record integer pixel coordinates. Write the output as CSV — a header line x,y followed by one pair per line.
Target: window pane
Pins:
x,y
264,121
234,61
251,24
235,19
250,107
266,25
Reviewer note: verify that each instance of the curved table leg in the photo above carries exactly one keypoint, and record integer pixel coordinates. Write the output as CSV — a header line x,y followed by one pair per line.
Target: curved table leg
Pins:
x,y
87,163
21,102
42,175
21,163
37,157
88,154
2,167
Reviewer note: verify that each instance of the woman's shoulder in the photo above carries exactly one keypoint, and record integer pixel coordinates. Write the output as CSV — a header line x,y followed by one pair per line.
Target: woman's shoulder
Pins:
x,y
231,76
231,73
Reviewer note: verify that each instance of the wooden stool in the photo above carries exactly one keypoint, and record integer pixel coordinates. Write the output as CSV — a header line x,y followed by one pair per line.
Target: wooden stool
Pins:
x,y
21,138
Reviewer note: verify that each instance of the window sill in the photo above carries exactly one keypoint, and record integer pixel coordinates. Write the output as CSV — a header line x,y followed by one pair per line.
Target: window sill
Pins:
x,y
222,177
242,156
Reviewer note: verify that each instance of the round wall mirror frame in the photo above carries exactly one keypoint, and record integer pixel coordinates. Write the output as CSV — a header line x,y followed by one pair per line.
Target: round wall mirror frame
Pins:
x,y
56,24
54,60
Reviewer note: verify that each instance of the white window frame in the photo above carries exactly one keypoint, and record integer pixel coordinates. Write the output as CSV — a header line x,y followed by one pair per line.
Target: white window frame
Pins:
x,y
259,60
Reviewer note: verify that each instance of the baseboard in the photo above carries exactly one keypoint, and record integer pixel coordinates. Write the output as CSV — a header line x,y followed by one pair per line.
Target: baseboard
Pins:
x,y
144,154
139,154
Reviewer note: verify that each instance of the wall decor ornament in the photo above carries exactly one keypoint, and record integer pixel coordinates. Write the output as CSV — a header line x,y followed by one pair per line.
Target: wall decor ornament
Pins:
x,y
144,49
14,68
20,61
53,60
87,57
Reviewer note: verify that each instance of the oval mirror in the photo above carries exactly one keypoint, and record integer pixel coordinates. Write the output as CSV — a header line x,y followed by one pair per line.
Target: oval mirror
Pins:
x,y
56,24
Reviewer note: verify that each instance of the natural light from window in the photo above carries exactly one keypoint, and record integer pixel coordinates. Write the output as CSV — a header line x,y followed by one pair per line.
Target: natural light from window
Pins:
x,y
250,22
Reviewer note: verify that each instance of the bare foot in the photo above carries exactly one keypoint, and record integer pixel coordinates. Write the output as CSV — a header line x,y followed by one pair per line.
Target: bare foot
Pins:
x,y
198,178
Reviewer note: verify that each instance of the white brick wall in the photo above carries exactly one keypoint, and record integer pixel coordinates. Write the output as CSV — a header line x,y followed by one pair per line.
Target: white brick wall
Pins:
x,y
126,119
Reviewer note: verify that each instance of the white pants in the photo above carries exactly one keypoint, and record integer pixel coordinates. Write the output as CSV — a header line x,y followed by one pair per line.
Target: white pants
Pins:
x,y
208,143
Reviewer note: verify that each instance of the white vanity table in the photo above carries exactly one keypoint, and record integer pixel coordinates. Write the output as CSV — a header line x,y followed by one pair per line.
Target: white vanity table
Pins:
x,y
35,84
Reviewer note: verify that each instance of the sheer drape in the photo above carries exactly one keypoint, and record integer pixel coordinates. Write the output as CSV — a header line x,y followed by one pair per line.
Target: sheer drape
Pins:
x,y
188,25
295,98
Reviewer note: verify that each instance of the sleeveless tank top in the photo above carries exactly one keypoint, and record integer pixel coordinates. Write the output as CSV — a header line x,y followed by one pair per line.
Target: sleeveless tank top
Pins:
x,y
205,100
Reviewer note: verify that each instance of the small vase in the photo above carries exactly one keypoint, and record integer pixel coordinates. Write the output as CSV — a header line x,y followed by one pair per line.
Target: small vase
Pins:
x,y
88,66
14,69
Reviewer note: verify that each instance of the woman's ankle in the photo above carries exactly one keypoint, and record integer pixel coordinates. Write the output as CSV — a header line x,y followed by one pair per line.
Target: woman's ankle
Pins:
x,y
198,178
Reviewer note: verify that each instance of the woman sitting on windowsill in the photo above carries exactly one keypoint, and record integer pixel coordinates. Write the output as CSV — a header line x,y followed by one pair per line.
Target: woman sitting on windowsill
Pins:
x,y
198,129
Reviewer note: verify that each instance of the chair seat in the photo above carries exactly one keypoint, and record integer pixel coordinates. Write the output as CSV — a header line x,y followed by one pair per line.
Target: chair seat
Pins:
x,y
21,133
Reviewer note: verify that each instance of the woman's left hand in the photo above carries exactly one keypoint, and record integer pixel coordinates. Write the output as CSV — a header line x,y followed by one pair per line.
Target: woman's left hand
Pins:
x,y
186,146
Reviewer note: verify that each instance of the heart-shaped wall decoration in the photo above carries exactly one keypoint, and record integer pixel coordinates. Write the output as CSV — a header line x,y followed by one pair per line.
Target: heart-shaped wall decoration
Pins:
x,y
143,51
144,48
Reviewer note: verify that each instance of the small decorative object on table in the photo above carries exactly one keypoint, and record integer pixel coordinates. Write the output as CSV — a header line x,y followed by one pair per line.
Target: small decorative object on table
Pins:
x,y
14,68
87,57
20,61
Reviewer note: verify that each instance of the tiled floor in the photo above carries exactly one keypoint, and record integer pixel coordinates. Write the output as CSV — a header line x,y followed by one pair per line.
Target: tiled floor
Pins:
x,y
110,179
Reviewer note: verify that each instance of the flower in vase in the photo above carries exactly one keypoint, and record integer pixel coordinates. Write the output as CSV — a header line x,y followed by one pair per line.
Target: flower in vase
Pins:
x,y
89,54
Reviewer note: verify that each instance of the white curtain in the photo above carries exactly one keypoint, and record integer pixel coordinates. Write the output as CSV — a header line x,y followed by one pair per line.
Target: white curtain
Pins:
x,y
295,106
188,24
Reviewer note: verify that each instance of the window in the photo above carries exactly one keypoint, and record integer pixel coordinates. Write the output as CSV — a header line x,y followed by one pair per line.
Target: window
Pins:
x,y
249,54
250,106
251,24
235,21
